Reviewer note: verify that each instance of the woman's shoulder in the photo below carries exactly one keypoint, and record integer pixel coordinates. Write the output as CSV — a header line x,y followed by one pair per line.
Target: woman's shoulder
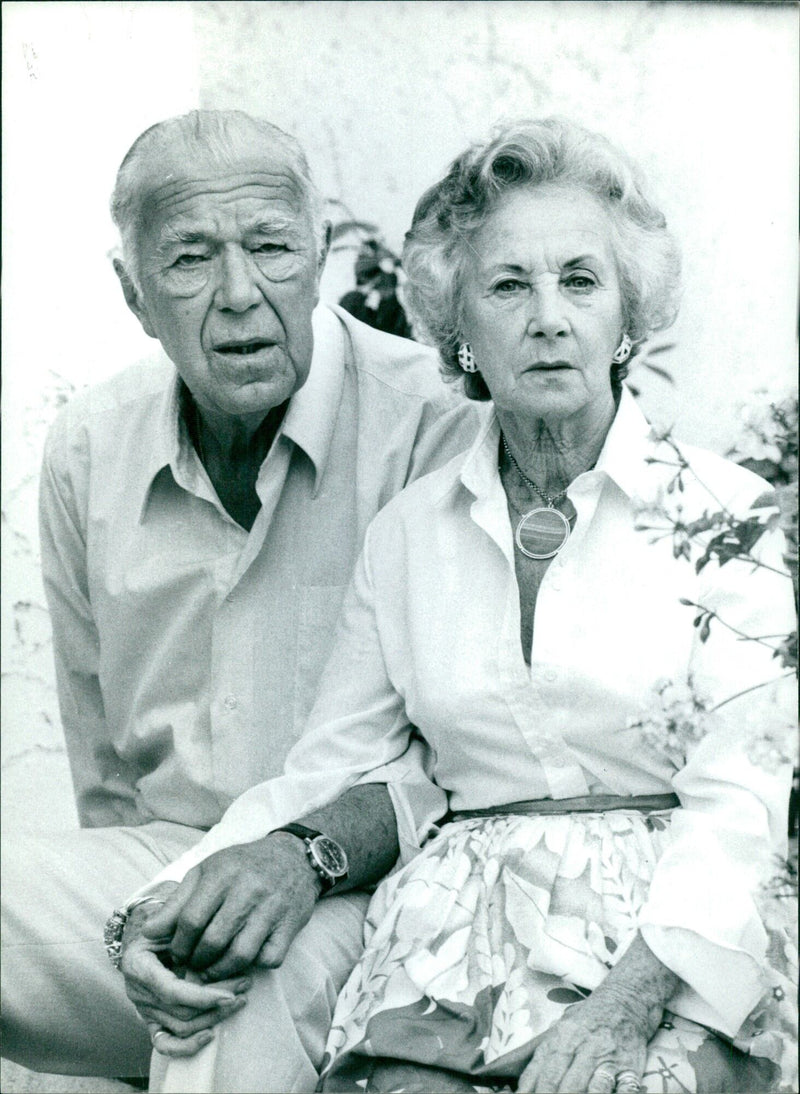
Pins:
x,y
423,503
736,487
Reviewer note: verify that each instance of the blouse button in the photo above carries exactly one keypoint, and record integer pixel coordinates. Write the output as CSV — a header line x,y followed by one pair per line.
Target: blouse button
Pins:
x,y
231,702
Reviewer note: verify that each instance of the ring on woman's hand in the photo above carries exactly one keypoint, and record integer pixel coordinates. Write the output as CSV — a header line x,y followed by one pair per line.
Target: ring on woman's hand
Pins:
x,y
604,1077
627,1082
158,1033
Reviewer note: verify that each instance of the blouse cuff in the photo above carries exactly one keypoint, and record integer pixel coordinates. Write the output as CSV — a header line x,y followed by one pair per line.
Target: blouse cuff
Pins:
x,y
720,986
701,921
419,804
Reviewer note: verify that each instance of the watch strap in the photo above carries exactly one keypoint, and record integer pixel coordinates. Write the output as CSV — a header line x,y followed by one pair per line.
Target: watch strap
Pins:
x,y
308,835
298,830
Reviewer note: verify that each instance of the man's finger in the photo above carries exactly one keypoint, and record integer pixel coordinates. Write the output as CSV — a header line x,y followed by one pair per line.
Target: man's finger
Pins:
x,y
238,913
273,952
194,917
161,921
244,947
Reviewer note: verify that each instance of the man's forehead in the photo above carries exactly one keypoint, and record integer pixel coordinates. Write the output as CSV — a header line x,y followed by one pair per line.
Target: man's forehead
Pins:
x,y
185,183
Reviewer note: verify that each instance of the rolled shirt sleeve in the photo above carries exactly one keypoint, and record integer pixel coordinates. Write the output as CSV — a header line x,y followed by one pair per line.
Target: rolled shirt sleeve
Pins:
x,y
358,732
701,918
431,636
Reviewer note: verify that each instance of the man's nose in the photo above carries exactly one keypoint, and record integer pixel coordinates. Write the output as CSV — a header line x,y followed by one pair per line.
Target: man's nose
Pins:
x,y
238,288
548,317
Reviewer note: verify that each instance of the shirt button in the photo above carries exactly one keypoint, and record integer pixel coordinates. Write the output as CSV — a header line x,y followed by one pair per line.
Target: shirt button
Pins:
x,y
231,702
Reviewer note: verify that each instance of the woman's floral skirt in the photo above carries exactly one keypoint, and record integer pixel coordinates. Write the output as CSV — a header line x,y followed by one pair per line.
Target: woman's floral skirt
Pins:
x,y
479,944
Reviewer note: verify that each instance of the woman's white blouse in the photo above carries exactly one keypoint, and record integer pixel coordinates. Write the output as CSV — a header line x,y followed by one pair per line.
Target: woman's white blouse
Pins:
x,y
430,638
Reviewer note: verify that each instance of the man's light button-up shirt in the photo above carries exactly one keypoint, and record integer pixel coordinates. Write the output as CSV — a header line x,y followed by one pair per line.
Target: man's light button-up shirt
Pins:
x,y
188,650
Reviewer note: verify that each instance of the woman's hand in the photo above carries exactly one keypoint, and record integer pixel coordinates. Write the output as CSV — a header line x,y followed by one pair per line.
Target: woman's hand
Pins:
x,y
589,1047
600,1044
179,1013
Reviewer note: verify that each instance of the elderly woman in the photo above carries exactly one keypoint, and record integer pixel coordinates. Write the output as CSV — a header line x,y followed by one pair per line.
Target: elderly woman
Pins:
x,y
577,907
586,918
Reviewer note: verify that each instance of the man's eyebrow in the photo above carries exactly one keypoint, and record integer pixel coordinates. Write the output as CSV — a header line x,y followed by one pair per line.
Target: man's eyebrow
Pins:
x,y
172,234
272,224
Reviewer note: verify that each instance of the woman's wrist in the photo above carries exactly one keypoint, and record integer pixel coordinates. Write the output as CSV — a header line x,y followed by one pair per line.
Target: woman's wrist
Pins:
x,y
639,985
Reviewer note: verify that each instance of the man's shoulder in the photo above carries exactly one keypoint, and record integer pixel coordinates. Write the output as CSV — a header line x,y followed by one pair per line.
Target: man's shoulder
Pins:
x,y
123,399
419,502
404,368
137,383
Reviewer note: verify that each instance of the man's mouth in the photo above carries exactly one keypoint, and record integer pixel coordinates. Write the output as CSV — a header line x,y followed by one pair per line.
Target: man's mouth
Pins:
x,y
242,348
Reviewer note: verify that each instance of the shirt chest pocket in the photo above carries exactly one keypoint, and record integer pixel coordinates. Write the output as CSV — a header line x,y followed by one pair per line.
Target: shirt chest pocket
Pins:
x,y
318,611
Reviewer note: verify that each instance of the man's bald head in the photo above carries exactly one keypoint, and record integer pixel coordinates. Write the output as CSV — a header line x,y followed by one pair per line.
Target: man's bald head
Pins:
x,y
199,140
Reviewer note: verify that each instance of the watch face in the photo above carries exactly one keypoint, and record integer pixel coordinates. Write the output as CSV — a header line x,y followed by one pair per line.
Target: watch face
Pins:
x,y
330,856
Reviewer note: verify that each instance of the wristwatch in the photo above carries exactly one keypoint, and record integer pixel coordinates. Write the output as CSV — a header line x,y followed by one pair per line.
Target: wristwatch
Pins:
x,y
327,857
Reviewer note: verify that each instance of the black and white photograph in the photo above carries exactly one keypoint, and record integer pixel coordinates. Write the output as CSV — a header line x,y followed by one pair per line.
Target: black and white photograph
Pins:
x,y
400,547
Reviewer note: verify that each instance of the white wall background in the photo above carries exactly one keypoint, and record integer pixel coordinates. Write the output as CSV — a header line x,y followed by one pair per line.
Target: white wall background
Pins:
x,y
382,95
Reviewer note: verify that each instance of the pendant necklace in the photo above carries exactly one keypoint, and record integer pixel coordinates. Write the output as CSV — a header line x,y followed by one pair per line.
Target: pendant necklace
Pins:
x,y
542,532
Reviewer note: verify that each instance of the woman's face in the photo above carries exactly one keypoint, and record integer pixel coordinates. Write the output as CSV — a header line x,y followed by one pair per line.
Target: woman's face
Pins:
x,y
541,304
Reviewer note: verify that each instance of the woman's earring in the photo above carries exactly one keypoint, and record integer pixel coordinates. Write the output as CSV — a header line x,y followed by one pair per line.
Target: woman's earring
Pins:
x,y
466,358
624,351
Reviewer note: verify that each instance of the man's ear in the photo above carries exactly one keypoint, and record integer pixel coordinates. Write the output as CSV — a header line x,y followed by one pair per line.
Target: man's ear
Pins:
x,y
324,247
133,298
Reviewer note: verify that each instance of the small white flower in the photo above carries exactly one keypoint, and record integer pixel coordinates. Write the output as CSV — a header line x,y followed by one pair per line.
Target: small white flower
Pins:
x,y
673,721
770,751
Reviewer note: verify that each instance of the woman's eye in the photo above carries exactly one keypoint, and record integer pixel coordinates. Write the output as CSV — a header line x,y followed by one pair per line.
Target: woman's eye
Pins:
x,y
508,286
580,281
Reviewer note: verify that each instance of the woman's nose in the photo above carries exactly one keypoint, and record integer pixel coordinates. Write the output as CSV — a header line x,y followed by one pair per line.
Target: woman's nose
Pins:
x,y
238,286
548,318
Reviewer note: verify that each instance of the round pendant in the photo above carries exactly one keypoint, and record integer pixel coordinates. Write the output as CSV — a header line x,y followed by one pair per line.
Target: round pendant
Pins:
x,y
542,533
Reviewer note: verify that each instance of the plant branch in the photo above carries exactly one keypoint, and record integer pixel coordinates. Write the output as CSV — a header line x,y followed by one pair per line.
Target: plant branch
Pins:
x,y
745,637
747,691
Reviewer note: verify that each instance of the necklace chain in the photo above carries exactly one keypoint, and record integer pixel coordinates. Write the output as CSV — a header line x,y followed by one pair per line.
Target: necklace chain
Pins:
x,y
551,499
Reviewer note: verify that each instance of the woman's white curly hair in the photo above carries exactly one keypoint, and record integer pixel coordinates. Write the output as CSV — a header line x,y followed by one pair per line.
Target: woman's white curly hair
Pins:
x,y
527,153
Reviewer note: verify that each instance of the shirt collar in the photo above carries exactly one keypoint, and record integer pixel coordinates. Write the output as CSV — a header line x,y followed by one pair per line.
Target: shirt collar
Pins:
x,y
309,421
169,434
311,415
623,457
629,443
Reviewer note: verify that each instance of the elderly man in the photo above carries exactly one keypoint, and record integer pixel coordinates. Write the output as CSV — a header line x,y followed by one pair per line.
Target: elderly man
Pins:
x,y
199,522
